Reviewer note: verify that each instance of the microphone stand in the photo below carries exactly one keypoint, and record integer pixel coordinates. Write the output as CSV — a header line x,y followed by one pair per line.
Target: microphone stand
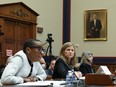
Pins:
x,y
80,82
92,64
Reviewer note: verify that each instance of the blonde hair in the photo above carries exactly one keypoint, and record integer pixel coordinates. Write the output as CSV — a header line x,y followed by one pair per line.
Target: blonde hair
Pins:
x,y
62,55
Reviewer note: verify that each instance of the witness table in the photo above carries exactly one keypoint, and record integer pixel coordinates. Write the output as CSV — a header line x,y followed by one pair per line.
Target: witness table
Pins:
x,y
52,83
77,83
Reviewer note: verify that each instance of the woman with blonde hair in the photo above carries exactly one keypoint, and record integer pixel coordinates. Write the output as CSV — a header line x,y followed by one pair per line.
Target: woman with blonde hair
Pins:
x,y
67,61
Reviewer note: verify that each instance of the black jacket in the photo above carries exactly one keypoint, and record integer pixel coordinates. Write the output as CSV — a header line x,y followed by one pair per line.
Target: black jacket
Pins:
x,y
61,69
85,68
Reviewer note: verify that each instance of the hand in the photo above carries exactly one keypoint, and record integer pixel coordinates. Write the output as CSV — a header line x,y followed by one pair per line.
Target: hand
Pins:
x,y
92,28
30,79
26,80
96,29
78,74
33,78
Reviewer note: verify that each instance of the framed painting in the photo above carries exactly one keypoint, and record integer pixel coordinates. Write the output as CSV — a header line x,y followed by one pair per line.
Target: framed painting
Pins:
x,y
95,25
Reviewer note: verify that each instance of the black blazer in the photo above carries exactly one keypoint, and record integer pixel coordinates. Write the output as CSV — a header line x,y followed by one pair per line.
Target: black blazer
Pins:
x,y
49,72
98,24
61,69
85,68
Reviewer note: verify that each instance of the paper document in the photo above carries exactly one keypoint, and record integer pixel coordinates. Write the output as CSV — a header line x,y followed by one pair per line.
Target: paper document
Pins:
x,y
103,70
43,83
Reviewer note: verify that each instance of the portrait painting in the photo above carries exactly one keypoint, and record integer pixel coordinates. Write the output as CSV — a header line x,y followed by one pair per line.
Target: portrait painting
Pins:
x,y
95,25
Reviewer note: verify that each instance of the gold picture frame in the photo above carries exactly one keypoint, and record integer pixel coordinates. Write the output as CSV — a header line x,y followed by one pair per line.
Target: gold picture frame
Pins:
x,y
95,30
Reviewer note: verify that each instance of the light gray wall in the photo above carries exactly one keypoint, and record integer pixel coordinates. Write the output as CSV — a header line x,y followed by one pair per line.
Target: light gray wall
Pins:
x,y
50,19
99,48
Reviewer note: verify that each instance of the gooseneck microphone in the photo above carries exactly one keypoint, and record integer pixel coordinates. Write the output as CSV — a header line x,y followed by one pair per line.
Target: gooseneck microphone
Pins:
x,y
89,61
74,74
71,70
92,64
79,82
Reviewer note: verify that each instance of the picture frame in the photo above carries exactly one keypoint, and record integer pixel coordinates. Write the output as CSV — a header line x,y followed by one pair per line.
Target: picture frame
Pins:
x,y
95,30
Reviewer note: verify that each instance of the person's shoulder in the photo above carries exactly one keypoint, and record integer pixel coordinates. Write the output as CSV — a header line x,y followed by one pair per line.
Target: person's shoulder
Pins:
x,y
59,60
20,54
98,19
36,63
83,64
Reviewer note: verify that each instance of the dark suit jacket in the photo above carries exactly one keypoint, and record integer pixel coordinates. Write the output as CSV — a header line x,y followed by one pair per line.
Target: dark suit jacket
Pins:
x,y
96,29
98,24
85,68
49,72
61,69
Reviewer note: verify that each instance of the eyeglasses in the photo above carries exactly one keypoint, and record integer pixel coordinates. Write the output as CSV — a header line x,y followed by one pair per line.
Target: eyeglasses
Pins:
x,y
40,48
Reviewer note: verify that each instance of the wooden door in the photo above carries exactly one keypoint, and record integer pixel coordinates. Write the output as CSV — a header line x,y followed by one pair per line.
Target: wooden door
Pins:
x,y
15,34
17,24
24,32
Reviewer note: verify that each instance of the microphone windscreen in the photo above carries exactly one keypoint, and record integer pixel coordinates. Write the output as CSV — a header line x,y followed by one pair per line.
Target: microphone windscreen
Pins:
x,y
77,45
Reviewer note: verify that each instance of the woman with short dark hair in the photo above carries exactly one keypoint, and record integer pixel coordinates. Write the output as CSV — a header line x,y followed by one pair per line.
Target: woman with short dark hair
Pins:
x,y
24,65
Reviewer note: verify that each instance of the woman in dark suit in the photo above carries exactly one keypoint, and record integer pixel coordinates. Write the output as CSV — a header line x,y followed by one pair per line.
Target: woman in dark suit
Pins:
x,y
86,63
66,61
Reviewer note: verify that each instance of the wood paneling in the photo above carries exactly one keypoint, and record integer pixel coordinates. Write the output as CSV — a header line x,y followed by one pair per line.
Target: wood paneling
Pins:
x,y
17,23
110,62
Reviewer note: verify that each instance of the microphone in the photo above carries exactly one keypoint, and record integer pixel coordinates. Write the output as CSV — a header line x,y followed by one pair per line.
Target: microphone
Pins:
x,y
77,45
88,60
74,82
74,74
71,70
92,63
